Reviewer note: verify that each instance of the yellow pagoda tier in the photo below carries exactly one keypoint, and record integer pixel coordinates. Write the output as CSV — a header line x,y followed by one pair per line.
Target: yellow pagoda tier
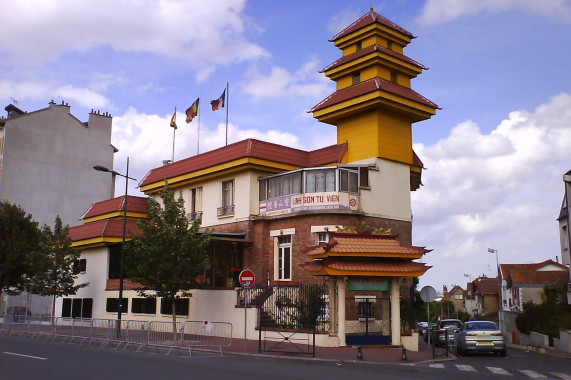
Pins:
x,y
374,106
365,255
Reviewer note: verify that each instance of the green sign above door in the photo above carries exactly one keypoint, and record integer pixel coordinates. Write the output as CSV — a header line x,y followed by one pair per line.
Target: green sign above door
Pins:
x,y
368,283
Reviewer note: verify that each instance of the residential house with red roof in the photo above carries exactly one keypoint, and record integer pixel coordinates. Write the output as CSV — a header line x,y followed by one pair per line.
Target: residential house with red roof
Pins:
x,y
456,296
525,282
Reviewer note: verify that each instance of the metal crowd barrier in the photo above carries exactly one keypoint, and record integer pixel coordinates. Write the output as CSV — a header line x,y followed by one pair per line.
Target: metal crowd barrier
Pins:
x,y
188,335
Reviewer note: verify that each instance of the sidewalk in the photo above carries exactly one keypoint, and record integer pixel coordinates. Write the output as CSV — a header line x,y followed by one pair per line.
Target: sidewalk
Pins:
x,y
371,354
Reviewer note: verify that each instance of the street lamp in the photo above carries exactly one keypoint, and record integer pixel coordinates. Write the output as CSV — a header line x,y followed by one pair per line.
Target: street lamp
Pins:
x,y
500,287
122,259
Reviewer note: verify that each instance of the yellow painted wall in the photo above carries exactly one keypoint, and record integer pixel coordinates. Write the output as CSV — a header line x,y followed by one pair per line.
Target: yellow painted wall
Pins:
x,y
395,137
345,82
361,133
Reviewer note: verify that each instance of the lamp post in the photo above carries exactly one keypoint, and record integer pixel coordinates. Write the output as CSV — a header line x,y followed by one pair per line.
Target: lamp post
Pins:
x,y
500,287
122,259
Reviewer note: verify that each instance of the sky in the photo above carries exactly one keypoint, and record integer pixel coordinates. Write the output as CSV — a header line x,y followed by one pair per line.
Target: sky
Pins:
x,y
499,69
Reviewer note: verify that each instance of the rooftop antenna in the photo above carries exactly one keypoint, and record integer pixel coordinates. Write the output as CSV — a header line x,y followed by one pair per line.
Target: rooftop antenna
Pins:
x,y
14,100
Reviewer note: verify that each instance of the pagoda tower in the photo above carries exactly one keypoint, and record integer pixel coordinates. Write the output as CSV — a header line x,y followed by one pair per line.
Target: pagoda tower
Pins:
x,y
373,106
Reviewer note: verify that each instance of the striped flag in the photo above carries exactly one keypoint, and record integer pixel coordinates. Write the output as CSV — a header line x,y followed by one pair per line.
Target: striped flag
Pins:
x,y
218,103
192,111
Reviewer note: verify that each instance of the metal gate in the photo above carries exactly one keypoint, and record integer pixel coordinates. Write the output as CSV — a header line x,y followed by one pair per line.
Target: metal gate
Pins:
x,y
367,320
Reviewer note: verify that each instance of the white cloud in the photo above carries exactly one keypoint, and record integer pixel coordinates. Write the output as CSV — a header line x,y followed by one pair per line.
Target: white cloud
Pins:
x,y
32,90
439,11
306,81
501,190
201,34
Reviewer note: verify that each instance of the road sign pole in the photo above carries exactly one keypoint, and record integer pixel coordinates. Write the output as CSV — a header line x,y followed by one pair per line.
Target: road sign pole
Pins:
x,y
245,316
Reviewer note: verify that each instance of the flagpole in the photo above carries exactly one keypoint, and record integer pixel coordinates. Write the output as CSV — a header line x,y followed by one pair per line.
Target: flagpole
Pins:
x,y
173,135
198,130
227,105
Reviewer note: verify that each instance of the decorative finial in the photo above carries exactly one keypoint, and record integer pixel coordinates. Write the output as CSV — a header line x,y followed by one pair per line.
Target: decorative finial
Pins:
x,y
371,8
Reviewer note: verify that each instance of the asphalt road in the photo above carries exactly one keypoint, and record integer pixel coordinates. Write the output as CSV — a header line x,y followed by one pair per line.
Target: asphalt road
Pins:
x,y
32,358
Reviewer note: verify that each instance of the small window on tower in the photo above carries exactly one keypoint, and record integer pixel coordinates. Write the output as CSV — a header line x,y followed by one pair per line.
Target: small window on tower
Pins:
x,y
356,78
359,45
394,76
390,45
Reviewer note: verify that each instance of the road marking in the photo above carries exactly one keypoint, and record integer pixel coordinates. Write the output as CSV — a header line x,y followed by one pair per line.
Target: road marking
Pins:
x,y
436,365
24,356
465,367
561,375
532,374
498,371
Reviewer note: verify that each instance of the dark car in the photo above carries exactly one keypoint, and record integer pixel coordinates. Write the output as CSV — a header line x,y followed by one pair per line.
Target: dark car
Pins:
x,y
480,336
446,327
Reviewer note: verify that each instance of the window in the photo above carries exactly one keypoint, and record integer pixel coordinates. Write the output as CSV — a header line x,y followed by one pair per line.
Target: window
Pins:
x,y
322,238
180,307
389,44
227,208
77,307
359,45
348,181
114,265
458,296
284,185
318,181
80,266
394,76
364,177
112,305
144,306
195,209
284,257
356,78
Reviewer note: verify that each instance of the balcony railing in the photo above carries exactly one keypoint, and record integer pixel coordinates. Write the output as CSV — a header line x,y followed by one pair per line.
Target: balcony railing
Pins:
x,y
193,215
225,211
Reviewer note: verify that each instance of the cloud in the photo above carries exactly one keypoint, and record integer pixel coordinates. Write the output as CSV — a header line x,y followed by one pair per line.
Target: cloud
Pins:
x,y
440,11
501,190
200,34
306,81
33,90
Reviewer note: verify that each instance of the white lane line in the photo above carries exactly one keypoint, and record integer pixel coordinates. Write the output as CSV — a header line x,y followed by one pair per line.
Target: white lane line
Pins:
x,y
24,356
465,367
564,376
532,374
498,371
436,365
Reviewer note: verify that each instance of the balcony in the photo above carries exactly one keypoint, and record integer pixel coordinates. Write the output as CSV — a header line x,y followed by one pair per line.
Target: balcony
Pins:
x,y
193,215
288,204
225,211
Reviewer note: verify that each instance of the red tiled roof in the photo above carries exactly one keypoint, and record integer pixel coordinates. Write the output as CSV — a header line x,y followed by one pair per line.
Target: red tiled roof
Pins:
x,y
368,50
506,269
371,85
368,19
538,277
344,244
103,228
247,148
452,292
365,266
134,204
486,285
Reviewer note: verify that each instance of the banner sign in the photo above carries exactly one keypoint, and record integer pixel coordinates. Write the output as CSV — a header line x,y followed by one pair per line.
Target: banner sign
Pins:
x,y
309,201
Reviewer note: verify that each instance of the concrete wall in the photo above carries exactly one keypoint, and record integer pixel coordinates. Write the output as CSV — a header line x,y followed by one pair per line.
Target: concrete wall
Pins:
x,y
48,161
564,341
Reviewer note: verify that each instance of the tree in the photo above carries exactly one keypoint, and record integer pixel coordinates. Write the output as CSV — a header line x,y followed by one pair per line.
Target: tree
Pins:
x,y
56,270
169,253
20,243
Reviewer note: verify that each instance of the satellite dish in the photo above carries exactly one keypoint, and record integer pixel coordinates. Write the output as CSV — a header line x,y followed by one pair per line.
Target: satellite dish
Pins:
x,y
427,294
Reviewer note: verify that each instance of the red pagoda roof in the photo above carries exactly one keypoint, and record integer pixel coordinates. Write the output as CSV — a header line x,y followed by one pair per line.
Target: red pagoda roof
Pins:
x,y
248,148
134,204
368,50
369,18
365,245
332,266
369,86
103,229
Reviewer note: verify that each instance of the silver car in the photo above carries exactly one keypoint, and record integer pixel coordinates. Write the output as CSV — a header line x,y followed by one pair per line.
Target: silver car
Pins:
x,y
480,336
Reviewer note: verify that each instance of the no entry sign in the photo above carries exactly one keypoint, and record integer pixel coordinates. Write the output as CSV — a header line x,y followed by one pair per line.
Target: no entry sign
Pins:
x,y
247,278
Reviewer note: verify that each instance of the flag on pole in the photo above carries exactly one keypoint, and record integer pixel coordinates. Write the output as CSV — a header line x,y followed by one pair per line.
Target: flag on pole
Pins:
x,y
173,120
192,111
218,103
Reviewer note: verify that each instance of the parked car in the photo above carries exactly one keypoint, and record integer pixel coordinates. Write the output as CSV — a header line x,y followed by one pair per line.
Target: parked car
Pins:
x,y
452,326
429,330
480,336
422,327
